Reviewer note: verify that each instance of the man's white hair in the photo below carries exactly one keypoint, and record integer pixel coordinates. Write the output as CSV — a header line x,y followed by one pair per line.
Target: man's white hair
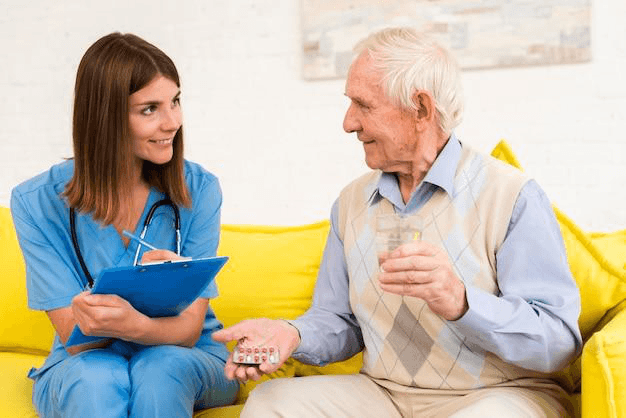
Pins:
x,y
411,61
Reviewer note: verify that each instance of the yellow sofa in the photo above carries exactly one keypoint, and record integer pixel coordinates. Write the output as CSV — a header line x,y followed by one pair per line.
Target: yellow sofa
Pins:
x,y
271,273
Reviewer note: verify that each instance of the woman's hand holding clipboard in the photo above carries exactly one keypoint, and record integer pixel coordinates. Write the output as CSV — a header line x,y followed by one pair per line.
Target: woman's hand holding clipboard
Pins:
x,y
158,289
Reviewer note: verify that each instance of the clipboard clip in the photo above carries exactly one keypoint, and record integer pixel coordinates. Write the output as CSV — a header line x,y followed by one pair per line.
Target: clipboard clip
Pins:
x,y
152,263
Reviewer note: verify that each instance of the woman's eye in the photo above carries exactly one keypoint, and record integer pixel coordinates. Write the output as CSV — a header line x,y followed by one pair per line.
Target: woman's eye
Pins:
x,y
148,110
176,101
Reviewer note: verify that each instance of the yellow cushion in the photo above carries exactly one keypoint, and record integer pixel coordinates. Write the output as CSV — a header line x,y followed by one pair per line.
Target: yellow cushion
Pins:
x,y
594,260
20,328
602,283
271,273
604,366
15,387
611,245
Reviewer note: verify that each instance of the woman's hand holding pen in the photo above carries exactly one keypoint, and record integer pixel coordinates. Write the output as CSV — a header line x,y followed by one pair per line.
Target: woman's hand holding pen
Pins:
x,y
155,255
159,255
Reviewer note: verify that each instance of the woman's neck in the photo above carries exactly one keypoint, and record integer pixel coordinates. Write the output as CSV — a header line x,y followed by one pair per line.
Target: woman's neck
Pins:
x,y
133,205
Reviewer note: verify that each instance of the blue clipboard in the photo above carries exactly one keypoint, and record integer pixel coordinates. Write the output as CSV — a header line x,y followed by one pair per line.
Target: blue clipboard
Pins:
x,y
156,290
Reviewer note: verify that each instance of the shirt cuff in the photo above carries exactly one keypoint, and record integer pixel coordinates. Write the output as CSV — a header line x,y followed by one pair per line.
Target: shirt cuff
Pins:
x,y
476,323
308,344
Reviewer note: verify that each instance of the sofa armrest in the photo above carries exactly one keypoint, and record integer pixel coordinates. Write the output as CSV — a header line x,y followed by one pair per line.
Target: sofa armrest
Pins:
x,y
604,368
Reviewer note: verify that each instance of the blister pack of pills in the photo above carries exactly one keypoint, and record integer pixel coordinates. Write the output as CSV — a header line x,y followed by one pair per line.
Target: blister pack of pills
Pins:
x,y
255,355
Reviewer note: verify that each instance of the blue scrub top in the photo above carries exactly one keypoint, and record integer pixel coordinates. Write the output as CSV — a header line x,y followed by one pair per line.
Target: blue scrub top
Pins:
x,y
53,272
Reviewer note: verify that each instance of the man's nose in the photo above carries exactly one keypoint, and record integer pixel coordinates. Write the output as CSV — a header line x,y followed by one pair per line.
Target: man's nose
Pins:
x,y
350,121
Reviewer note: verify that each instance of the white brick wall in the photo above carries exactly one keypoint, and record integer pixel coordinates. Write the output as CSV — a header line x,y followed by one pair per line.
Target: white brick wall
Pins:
x,y
275,140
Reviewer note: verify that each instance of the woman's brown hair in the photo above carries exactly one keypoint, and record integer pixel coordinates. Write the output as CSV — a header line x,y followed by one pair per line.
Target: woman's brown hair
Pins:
x,y
113,68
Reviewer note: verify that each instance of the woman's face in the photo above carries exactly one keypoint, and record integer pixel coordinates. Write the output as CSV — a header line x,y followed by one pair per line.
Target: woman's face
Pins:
x,y
154,118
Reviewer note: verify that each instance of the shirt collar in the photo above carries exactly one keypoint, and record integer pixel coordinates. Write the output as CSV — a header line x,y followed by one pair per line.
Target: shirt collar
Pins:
x,y
441,174
443,170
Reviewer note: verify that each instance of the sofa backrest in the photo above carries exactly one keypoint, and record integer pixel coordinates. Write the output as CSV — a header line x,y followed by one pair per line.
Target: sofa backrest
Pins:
x,y
271,271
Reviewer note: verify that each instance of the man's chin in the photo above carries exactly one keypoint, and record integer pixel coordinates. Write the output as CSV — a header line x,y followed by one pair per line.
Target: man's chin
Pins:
x,y
373,164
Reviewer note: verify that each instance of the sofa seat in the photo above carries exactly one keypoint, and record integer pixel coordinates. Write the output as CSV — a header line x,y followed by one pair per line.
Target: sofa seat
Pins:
x,y
15,387
231,411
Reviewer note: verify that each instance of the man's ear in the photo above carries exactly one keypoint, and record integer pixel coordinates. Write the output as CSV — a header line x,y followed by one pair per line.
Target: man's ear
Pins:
x,y
425,104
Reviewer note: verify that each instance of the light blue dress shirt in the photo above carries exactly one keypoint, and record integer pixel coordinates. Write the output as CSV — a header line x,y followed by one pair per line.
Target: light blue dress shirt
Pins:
x,y
532,323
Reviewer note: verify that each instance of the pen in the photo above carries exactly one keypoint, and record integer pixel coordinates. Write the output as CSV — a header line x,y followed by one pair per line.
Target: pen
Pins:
x,y
136,238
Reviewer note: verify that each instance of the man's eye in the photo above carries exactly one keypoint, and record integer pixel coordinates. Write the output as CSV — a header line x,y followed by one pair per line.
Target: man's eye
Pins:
x,y
361,105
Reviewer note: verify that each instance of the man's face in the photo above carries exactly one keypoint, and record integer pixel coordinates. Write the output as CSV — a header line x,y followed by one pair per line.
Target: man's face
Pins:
x,y
388,133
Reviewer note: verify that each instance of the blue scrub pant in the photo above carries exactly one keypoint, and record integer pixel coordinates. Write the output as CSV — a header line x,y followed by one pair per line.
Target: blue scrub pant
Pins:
x,y
130,380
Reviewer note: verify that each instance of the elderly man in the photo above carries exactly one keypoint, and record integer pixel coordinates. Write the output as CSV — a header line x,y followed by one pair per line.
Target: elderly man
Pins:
x,y
469,321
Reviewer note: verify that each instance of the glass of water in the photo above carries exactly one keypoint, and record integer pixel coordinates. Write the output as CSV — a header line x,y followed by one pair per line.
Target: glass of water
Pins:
x,y
393,230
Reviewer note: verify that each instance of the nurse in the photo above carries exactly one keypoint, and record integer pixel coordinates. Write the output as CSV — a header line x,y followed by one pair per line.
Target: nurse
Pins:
x,y
128,155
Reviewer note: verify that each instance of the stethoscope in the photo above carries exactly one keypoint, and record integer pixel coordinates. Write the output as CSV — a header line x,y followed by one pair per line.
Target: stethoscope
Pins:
x,y
146,223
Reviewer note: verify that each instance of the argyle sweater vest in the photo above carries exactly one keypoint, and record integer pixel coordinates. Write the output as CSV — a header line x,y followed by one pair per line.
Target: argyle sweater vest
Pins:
x,y
405,342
